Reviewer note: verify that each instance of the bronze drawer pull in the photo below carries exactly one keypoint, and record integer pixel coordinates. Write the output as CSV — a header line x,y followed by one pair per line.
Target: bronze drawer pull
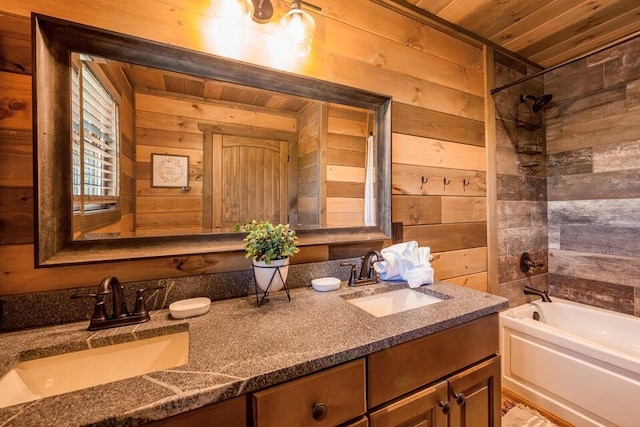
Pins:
x,y
460,398
319,411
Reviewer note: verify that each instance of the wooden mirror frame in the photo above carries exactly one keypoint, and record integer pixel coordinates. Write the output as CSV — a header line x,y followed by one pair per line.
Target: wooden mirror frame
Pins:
x,y
53,42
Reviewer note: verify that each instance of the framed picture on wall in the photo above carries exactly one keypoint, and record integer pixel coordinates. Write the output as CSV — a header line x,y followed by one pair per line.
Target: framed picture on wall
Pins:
x,y
169,171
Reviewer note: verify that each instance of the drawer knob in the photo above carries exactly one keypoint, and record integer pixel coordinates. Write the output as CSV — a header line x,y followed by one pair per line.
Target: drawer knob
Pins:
x,y
460,398
446,408
319,411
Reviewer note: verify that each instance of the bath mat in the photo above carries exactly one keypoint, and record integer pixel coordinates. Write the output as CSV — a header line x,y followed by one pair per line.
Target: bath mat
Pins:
x,y
519,415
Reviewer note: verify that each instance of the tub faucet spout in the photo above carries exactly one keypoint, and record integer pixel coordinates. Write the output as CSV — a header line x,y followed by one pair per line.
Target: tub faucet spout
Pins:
x,y
542,294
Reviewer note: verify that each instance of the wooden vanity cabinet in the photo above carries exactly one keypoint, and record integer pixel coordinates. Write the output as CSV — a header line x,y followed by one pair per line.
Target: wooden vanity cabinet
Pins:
x,y
448,379
460,368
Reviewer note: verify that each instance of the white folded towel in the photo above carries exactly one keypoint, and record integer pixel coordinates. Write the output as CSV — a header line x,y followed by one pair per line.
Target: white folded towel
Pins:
x,y
406,261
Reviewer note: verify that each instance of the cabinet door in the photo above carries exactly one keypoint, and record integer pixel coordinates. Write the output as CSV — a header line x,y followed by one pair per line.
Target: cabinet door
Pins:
x,y
420,409
474,395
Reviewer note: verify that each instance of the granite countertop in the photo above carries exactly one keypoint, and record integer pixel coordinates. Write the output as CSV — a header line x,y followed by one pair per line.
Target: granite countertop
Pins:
x,y
235,348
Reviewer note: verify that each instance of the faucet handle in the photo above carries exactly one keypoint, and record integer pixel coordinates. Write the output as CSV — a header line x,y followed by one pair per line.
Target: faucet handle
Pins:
x,y
140,307
99,310
352,275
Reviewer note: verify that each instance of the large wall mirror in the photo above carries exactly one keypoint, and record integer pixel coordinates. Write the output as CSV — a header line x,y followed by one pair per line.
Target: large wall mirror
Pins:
x,y
147,150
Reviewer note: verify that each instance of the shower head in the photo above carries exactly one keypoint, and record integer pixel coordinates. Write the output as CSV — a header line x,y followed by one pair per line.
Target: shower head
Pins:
x,y
539,102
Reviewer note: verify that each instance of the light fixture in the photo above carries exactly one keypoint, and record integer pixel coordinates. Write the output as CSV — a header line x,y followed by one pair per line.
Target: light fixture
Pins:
x,y
262,11
298,27
232,15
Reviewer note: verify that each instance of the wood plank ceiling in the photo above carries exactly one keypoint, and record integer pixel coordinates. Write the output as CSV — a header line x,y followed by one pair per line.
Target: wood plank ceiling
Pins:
x,y
547,32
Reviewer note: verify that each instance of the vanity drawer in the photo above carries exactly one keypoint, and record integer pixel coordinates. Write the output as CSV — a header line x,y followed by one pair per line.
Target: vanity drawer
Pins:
x,y
340,389
400,369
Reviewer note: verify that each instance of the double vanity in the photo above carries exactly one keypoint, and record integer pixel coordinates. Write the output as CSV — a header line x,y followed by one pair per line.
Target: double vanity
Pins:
x,y
321,359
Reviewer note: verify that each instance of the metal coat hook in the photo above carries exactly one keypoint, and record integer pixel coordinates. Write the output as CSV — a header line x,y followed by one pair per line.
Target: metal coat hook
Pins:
x,y
465,184
423,181
446,182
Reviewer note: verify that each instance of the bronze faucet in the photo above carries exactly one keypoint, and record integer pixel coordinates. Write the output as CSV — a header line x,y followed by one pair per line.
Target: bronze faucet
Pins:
x,y
120,316
367,274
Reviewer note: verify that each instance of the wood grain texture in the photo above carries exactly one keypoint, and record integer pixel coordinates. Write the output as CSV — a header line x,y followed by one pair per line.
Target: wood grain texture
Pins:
x,y
407,366
412,150
144,20
459,263
606,185
448,237
17,86
415,210
598,267
230,413
16,215
16,158
477,281
615,297
341,389
424,180
463,209
411,120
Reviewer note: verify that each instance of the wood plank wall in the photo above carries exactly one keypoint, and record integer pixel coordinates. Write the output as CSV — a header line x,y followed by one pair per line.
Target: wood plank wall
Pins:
x,y
167,124
308,167
521,195
593,145
436,82
347,131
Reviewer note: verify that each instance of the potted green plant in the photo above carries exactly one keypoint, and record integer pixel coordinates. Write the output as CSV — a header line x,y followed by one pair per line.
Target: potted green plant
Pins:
x,y
270,246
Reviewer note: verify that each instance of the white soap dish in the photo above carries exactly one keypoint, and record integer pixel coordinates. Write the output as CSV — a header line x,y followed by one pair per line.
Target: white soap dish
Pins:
x,y
189,307
323,284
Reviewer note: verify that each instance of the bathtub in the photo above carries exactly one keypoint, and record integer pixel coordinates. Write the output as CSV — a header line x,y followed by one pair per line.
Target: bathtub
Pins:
x,y
580,363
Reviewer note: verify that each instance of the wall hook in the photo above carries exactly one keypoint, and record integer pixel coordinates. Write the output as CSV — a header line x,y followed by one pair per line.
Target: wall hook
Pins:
x,y
423,181
446,182
465,184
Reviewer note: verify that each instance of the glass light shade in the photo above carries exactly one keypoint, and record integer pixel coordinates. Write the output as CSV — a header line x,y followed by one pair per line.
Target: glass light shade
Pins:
x,y
298,27
232,15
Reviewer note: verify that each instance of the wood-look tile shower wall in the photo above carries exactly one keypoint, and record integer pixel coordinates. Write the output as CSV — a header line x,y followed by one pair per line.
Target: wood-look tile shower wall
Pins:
x,y
593,146
437,85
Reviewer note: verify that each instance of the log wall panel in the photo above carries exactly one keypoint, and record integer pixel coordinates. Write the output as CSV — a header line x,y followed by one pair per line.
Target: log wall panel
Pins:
x,y
16,215
448,237
415,210
409,180
17,86
16,160
411,150
477,281
454,105
459,263
15,45
411,120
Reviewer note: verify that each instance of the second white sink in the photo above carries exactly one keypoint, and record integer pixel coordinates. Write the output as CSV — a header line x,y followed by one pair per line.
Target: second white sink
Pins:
x,y
50,376
393,302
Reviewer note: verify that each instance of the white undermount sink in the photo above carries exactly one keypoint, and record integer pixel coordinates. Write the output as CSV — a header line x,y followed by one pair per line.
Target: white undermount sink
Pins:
x,y
392,302
50,376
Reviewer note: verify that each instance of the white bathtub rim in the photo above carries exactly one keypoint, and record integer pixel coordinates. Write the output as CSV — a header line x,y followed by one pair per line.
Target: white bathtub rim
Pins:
x,y
575,343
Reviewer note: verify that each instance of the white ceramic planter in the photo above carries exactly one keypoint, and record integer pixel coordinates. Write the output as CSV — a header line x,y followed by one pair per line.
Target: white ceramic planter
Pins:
x,y
264,273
